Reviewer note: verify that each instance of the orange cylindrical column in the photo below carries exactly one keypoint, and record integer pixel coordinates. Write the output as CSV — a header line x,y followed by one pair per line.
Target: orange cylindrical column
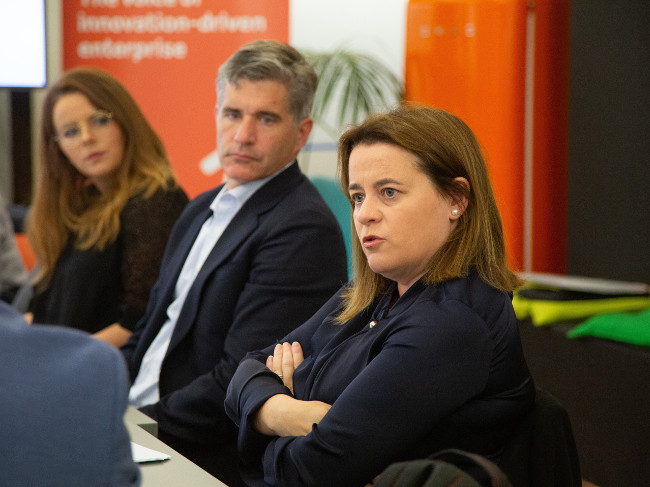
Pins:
x,y
470,57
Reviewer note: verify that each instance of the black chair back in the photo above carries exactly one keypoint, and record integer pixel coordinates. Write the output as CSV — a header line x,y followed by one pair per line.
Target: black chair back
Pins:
x,y
542,451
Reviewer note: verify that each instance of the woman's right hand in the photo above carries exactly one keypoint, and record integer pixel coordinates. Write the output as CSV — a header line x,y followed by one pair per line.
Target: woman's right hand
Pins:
x,y
283,415
285,360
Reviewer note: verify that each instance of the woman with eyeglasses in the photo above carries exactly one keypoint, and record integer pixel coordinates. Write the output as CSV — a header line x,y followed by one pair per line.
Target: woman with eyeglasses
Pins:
x,y
105,203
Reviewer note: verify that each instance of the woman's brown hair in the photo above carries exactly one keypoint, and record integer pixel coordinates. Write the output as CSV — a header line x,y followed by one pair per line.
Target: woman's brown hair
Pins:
x,y
66,205
446,149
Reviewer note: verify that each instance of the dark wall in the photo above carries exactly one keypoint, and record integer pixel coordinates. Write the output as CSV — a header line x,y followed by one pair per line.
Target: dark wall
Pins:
x,y
21,146
609,140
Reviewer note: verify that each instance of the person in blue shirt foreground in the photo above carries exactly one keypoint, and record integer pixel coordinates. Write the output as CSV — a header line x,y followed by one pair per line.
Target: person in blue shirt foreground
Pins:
x,y
62,406
421,350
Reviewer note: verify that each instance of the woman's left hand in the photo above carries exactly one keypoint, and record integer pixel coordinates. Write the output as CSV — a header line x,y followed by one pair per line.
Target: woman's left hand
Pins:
x,y
285,360
283,415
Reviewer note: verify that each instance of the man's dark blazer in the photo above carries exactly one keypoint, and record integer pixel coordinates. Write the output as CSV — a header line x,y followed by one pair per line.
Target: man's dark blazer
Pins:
x,y
62,402
281,257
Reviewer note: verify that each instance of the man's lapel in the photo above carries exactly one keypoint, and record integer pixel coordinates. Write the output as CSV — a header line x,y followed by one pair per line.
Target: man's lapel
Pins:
x,y
173,269
241,226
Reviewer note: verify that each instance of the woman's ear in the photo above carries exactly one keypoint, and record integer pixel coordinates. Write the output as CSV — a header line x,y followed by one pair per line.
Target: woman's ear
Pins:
x,y
459,200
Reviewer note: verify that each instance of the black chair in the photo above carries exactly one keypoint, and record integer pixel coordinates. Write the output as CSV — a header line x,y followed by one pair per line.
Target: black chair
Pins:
x,y
542,451
18,214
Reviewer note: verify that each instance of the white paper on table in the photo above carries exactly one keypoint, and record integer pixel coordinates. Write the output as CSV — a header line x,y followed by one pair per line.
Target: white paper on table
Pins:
x,y
142,454
585,284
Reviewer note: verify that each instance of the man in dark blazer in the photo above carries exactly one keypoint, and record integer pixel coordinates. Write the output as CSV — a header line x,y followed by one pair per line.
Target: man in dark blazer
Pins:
x,y
61,408
246,262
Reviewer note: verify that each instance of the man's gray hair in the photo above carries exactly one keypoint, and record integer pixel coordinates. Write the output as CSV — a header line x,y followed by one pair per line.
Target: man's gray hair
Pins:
x,y
267,60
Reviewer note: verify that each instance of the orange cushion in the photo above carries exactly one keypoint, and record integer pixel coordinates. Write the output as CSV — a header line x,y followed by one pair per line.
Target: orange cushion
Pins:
x,y
25,251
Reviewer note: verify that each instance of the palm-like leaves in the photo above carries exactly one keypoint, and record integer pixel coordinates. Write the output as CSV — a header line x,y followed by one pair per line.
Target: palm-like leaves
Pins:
x,y
361,83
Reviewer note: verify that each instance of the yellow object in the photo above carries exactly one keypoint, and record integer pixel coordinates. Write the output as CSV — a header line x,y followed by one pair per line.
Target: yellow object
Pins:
x,y
546,312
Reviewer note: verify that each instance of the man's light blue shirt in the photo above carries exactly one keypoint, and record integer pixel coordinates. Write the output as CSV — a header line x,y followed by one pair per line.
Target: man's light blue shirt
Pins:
x,y
224,207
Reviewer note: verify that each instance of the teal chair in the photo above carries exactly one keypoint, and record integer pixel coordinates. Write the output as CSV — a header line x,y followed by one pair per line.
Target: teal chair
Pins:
x,y
340,206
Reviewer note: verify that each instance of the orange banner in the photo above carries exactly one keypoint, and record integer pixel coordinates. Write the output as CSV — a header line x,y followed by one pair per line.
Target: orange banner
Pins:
x,y
167,53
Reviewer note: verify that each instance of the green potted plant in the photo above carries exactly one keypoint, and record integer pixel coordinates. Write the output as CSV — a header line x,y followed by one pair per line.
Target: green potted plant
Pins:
x,y
351,85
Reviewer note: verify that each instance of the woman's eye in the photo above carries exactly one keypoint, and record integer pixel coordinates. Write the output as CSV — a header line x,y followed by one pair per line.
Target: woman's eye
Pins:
x,y
71,132
357,198
390,192
102,120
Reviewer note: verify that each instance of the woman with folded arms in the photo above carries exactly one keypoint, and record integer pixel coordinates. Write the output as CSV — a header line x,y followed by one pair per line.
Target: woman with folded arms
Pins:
x,y
104,207
420,351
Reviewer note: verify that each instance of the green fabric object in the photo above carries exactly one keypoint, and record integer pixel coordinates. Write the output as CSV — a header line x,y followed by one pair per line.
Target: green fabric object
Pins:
x,y
631,328
546,312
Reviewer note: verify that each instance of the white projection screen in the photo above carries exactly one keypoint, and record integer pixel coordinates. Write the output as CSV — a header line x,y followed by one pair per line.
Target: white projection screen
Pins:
x,y
22,44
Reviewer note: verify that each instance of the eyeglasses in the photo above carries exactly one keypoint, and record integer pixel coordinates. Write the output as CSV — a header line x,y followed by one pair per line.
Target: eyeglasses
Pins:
x,y
71,133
